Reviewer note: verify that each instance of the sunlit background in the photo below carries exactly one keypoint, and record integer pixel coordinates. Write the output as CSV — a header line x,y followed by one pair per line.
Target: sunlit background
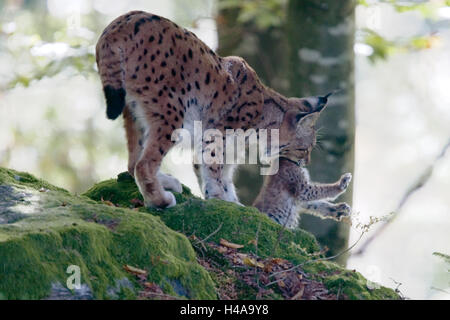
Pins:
x,y
53,124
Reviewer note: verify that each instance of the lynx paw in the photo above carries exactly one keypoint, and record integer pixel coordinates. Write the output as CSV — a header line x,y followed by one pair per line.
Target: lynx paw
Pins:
x,y
172,201
168,201
345,181
343,210
217,191
169,183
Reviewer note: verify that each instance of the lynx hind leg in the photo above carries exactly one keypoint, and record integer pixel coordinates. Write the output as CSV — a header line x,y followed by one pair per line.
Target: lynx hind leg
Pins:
x,y
147,167
327,209
134,141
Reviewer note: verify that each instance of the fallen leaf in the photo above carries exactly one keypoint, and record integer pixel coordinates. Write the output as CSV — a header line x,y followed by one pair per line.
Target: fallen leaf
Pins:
x,y
225,243
153,287
222,249
299,294
268,268
192,237
134,270
278,261
137,202
242,255
107,202
252,263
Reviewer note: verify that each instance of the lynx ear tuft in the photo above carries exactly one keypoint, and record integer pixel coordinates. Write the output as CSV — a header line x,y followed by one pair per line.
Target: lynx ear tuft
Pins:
x,y
322,101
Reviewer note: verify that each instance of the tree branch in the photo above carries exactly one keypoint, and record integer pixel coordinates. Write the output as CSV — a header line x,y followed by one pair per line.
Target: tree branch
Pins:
x,y
420,182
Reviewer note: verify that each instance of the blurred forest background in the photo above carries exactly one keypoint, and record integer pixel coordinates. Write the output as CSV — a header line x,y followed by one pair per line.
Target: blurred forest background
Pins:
x,y
388,123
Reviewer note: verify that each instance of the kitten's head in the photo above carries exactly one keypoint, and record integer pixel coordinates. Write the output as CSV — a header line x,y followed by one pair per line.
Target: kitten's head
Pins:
x,y
298,132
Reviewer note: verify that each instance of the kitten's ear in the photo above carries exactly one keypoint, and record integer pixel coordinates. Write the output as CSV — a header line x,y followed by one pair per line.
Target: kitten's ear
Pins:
x,y
308,121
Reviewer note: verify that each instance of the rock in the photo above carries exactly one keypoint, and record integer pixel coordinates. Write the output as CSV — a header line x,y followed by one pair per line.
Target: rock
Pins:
x,y
215,219
106,229
43,233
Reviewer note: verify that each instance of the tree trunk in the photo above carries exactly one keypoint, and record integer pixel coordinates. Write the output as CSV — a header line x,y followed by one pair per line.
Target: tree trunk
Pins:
x,y
321,37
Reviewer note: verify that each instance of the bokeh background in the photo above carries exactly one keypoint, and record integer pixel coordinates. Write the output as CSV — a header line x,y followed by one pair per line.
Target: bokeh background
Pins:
x,y
389,125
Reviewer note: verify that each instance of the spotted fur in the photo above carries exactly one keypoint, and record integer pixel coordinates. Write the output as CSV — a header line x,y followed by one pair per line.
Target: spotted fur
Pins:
x,y
162,78
289,192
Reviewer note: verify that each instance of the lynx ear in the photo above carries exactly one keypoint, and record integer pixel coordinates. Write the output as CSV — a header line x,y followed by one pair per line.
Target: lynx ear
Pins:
x,y
295,120
308,121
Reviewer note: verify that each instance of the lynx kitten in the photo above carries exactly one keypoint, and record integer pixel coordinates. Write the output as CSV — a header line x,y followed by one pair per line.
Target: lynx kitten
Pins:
x,y
290,191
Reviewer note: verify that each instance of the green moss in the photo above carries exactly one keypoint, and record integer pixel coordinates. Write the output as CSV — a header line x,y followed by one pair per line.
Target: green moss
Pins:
x,y
347,284
215,219
194,216
241,225
23,179
57,230
53,229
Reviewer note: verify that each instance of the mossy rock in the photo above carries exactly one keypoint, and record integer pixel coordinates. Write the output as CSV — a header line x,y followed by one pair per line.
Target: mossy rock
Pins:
x,y
44,230
215,219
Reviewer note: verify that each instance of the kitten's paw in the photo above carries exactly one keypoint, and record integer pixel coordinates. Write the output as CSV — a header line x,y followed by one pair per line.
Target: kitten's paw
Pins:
x,y
342,210
345,181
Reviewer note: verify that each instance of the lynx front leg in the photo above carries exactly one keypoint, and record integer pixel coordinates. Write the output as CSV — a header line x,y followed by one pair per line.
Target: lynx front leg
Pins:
x,y
148,178
218,182
327,209
197,171
211,169
212,181
230,191
217,177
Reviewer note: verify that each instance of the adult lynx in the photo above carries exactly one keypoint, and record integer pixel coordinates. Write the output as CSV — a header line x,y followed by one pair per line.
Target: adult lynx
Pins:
x,y
163,78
